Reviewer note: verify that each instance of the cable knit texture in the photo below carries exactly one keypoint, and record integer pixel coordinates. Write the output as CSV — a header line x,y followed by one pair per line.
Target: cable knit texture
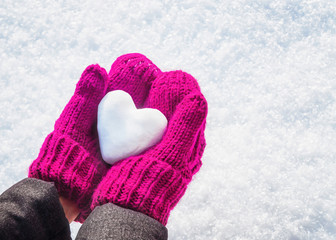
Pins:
x,y
154,182
70,155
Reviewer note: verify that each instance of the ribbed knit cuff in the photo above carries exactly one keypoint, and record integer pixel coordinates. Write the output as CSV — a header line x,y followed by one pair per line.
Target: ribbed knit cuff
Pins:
x,y
145,185
74,172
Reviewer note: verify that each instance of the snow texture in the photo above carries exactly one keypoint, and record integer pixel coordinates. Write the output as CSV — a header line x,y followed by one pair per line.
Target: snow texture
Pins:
x,y
267,69
124,130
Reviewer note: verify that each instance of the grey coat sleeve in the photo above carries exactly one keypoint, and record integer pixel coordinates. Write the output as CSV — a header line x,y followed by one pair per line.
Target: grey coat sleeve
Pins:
x,y
31,209
113,222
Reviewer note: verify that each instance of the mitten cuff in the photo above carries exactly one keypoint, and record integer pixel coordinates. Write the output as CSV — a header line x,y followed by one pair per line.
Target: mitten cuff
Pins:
x,y
63,161
145,185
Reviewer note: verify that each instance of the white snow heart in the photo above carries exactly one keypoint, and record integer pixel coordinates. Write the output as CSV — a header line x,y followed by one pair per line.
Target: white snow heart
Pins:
x,y
124,130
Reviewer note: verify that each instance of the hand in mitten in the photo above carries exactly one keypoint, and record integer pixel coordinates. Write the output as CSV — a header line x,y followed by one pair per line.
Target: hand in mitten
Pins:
x,y
153,182
70,155
133,73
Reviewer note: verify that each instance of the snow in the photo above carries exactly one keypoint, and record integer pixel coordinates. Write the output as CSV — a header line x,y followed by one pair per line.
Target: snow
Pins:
x,y
124,130
267,69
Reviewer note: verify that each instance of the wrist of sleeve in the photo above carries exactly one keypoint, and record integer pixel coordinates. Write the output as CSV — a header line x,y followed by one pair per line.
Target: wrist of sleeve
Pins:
x,y
31,209
110,221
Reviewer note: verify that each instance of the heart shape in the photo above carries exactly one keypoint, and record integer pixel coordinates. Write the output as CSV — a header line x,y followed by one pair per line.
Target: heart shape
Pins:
x,y
124,130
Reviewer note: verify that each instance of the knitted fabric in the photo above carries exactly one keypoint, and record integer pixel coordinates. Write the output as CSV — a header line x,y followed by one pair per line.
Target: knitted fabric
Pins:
x,y
154,182
70,155
134,74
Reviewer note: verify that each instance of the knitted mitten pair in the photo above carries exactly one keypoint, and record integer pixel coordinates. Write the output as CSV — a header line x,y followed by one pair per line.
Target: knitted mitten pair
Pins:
x,y
151,183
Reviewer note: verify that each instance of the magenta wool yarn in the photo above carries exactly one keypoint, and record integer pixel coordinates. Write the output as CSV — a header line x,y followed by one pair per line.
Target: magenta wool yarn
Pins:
x,y
70,155
154,182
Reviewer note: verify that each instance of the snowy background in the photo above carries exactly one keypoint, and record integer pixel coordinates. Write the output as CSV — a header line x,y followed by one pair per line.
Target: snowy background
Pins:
x,y
267,69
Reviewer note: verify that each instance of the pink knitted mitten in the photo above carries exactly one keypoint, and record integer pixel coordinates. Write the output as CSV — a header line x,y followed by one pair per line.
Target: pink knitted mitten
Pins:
x,y
154,182
134,74
70,155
